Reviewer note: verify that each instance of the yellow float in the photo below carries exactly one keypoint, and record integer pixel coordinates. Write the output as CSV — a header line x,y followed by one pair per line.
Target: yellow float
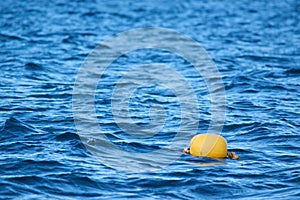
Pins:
x,y
210,145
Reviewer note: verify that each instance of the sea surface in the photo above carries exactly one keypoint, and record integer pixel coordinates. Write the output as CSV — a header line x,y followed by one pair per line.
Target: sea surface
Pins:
x,y
255,46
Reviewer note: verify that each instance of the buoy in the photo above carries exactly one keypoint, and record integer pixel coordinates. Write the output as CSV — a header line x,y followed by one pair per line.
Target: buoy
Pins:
x,y
208,145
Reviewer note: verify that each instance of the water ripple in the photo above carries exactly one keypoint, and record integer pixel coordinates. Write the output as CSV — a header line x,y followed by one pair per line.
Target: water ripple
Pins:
x,y
255,46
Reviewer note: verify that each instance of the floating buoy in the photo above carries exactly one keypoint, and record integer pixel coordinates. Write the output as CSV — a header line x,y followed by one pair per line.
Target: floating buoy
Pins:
x,y
208,145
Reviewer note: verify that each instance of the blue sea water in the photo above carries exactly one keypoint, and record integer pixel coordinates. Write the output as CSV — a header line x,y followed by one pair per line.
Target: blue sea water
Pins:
x,y
255,45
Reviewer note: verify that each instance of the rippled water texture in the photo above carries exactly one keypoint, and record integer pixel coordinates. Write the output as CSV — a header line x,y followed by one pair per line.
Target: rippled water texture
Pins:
x,y
255,46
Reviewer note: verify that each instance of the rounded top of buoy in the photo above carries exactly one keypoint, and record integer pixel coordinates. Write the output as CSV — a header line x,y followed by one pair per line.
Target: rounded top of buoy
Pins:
x,y
208,145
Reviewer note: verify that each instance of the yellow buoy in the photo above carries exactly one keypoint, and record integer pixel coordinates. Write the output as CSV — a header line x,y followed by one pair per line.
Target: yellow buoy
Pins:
x,y
209,145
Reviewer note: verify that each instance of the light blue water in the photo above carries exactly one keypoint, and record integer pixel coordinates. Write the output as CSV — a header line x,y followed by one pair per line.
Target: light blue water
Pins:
x,y
255,45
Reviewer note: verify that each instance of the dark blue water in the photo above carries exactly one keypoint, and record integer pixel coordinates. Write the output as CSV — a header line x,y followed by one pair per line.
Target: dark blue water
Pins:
x,y
255,45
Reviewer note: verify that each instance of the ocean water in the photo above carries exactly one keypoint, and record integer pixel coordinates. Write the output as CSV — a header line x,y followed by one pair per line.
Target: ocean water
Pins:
x,y
255,46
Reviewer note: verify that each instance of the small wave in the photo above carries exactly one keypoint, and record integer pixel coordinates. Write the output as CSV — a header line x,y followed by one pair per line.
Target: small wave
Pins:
x,y
7,37
33,66
294,71
67,136
15,127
